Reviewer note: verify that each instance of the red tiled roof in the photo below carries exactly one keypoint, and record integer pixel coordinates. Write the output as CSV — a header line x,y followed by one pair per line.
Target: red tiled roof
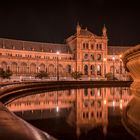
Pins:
x,y
30,46
116,50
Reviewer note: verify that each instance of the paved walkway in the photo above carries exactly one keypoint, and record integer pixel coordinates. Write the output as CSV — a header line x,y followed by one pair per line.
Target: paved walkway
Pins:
x,y
14,128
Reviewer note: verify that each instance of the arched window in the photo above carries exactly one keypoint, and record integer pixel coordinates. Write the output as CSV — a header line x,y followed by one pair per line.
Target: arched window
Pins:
x,y
14,67
98,104
4,65
42,67
99,92
33,68
111,69
86,45
92,69
23,68
51,70
86,92
85,56
68,69
92,57
92,47
98,70
61,70
92,92
99,57
86,69
86,103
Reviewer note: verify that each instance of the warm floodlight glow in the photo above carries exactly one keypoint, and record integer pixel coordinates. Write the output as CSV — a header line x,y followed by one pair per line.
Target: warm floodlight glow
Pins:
x,y
120,55
104,59
113,58
57,52
113,103
105,102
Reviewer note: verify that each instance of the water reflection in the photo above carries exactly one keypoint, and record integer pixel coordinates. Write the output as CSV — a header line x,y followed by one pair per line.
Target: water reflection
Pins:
x,y
83,109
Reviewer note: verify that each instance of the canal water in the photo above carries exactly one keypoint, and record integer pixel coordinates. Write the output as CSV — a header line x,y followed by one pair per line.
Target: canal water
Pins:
x,y
77,114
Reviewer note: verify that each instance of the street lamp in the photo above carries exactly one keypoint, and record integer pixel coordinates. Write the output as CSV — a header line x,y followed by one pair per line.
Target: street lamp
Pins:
x,y
57,67
113,58
104,66
120,65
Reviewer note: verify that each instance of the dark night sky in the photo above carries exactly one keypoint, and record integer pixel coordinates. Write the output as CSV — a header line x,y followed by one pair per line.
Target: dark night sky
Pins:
x,y
55,20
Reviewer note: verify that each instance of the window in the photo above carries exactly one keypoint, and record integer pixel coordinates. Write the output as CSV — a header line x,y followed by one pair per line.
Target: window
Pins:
x,y
92,56
92,69
86,69
98,104
99,92
85,91
68,68
99,57
98,70
86,45
85,56
92,92
92,115
96,46
92,103
99,46
83,114
86,103
92,47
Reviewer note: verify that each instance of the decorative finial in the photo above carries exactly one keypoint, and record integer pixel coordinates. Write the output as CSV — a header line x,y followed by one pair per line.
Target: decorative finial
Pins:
x,y
104,30
78,28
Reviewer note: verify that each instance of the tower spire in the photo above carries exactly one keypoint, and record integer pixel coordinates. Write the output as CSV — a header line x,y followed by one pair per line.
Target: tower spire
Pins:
x,y
78,28
104,30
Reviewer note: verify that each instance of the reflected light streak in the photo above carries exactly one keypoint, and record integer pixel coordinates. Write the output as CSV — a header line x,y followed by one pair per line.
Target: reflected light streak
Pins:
x,y
57,109
113,103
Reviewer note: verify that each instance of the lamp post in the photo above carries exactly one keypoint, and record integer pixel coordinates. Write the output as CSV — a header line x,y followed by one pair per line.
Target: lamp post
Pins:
x,y
57,67
104,66
113,58
120,65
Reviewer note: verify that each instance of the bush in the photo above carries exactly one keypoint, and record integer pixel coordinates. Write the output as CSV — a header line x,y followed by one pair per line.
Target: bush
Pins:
x,y
42,74
76,75
110,76
5,74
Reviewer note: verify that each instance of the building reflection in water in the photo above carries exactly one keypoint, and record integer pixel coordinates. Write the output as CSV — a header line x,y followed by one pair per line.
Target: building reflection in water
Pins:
x,y
86,108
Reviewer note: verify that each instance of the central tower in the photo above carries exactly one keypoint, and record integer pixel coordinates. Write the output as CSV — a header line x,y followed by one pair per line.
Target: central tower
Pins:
x,y
89,51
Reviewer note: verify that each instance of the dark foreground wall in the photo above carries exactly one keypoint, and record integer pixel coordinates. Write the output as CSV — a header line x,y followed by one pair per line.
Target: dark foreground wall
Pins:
x,y
14,128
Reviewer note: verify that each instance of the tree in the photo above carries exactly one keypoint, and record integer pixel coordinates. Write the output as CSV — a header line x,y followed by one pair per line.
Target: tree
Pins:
x,y
110,76
76,75
42,74
5,74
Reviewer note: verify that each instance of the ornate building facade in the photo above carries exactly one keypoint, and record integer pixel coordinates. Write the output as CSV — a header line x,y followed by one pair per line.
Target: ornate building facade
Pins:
x,y
83,51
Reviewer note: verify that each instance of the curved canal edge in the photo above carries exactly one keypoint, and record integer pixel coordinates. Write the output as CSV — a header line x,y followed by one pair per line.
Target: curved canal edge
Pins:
x,y
15,90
